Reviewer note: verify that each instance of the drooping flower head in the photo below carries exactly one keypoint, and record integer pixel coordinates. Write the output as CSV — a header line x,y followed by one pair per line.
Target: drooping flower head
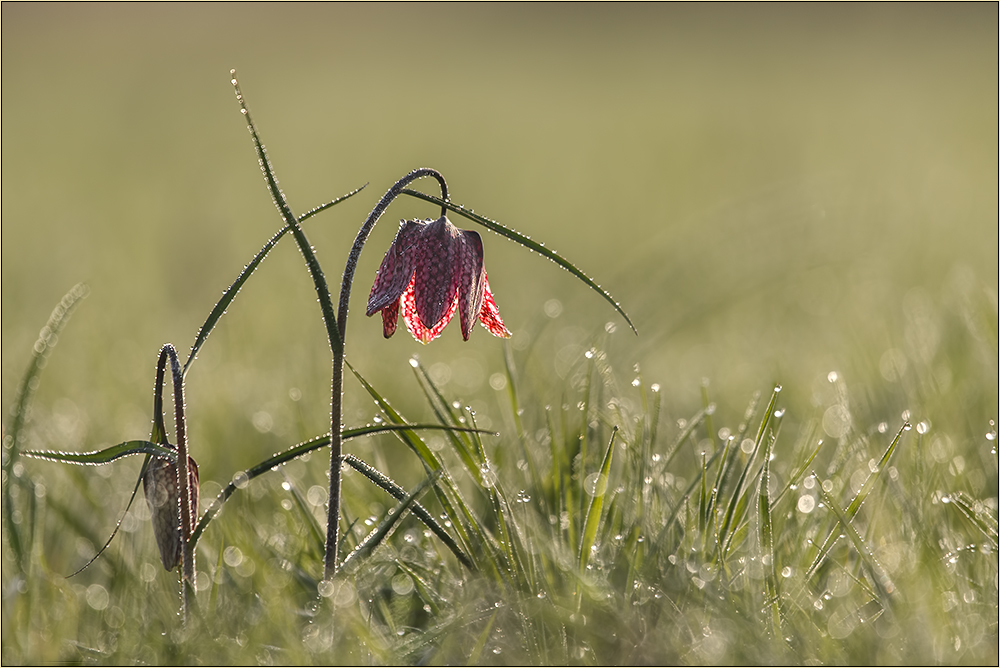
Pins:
x,y
433,269
160,486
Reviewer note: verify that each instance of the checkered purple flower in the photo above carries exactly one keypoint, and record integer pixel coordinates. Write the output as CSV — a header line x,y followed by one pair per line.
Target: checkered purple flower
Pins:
x,y
433,269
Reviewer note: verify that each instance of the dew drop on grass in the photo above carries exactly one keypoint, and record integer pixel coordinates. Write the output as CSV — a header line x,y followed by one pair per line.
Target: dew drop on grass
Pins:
x,y
655,387
636,382
832,377
241,480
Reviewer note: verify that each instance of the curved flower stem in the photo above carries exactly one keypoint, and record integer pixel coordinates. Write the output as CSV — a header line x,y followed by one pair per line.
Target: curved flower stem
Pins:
x,y
336,446
183,481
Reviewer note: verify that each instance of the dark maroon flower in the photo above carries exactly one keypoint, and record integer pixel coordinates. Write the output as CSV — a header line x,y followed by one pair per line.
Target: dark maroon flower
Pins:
x,y
434,268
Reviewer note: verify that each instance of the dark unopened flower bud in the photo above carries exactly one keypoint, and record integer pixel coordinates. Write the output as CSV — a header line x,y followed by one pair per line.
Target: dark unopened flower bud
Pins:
x,y
160,486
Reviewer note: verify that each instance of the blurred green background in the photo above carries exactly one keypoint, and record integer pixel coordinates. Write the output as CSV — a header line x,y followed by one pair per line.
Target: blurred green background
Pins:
x,y
771,192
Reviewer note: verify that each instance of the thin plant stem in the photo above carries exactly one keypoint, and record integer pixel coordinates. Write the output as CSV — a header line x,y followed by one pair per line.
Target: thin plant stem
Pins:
x,y
183,480
336,445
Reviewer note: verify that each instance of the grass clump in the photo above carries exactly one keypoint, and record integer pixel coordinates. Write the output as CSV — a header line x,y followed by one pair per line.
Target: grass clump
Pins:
x,y
620,525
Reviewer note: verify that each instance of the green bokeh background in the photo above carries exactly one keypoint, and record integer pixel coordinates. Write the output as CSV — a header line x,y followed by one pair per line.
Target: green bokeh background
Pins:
x,y
769,191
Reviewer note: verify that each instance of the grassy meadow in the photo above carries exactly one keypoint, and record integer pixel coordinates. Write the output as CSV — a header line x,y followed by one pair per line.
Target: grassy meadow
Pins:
x,y
794,461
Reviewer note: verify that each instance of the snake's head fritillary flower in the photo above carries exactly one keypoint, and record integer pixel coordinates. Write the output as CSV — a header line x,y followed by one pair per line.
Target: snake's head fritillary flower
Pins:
x,y
433,269
160,486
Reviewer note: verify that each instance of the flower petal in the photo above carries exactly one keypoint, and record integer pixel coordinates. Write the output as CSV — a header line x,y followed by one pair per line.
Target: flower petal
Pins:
x,y
413,321
396,270
471,279
489,315
436,272
390,316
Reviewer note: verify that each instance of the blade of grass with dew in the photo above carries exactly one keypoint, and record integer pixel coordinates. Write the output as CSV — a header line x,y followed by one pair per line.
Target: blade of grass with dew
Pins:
x,y
105,456
703,496
419,511
213,599
880,577
674,514
316,534
510,538
866,488
278,197
121,518
765,538
424,590
48,336
685,434
449,496
857,501
742,521
713,501
293,453
375,538
504,231
982,520
230,293
445,414
560,501
511,375
731,518
511,563
484,635
798,473
596,506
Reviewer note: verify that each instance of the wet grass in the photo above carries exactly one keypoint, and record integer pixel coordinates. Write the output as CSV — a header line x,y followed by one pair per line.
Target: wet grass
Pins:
x,y
606,526
805,198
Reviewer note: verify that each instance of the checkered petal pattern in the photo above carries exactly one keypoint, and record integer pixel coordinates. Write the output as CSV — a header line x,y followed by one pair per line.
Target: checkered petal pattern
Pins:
x,y
431,270
160,487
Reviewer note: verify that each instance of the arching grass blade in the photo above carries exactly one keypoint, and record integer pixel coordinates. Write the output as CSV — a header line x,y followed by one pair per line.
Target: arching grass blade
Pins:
x,y
593,520
230,294
504,231
47,339
392,517
105,456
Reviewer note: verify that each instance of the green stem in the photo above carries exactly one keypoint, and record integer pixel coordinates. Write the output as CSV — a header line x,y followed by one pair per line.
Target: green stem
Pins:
x,y
336,443
183,480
